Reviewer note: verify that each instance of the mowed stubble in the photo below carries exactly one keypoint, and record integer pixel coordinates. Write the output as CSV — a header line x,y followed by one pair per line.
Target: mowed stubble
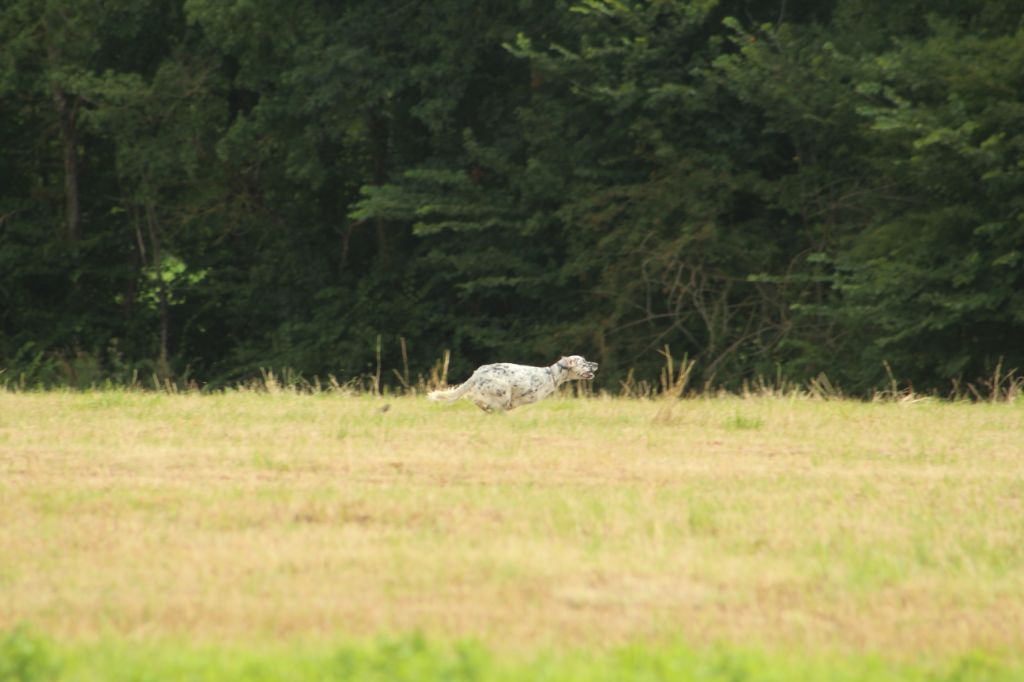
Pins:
x,y
772,521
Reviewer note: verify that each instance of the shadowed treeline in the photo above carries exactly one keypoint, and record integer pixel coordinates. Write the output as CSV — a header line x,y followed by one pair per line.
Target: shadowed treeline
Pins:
x,y
199,189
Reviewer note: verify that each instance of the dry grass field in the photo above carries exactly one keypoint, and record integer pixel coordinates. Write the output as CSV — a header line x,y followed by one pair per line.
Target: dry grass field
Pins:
x,y
783,524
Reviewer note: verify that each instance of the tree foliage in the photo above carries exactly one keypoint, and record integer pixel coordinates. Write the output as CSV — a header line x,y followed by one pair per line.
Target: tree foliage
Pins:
x,y
203,188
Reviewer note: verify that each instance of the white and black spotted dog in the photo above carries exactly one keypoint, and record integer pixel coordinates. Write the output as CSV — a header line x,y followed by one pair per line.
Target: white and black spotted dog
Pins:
x,y
503,386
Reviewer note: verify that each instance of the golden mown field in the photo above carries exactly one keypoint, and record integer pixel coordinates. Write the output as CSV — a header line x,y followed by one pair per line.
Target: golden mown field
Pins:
x,y
791,524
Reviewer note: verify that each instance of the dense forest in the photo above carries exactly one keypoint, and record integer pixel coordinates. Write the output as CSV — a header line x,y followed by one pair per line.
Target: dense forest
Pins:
x,y
197,189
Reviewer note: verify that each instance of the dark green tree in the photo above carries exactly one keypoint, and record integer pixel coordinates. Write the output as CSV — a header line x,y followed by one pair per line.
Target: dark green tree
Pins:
x,y
209,187
935,282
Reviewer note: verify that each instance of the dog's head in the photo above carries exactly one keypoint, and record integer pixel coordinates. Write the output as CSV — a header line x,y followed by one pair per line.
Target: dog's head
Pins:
x,y
579,367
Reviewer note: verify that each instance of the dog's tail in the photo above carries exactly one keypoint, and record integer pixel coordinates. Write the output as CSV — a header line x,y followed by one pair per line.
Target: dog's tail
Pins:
x,y
448,395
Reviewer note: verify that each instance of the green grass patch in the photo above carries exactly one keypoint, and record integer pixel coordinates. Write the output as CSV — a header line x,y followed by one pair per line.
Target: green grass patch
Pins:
x,y
27,657
740,422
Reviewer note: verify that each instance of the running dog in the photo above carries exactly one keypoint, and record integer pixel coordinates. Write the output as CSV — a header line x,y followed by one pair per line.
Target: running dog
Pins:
x,y
504,386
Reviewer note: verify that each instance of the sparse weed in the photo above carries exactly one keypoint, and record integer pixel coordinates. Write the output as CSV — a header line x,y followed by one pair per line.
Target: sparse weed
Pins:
x,y
674,382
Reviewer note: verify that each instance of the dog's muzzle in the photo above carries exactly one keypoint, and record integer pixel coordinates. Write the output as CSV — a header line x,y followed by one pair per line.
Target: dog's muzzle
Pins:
x,y
590,369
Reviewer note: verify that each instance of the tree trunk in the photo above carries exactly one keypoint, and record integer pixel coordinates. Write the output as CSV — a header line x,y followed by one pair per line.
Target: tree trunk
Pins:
x,y
153,227
69,138
379,142
66,115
